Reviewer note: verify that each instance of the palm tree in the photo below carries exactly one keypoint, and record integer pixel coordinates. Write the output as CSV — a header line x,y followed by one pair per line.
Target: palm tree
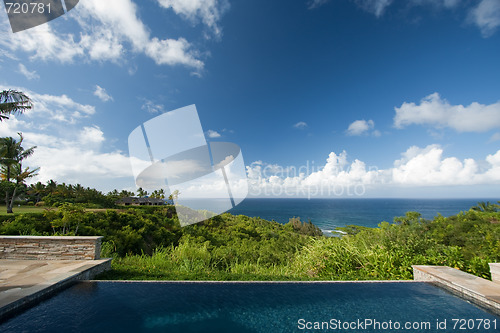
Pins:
x,y
51,186
11,153
38,191
486,207
141,193
13,101
11,156
125,193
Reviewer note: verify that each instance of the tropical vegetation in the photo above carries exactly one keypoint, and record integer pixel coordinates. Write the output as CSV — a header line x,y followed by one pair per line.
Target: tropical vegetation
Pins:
x,y
148,243
12,102
12,153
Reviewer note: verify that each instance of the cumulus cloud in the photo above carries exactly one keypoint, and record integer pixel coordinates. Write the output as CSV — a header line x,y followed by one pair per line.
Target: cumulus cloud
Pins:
x,y
438,112
300,125
102,94
428,167
360,127
68,148
208,11
78,164
41,42
109,29
418,167
173,52
486,15
213,134
72,156
29,75
50,111
91,135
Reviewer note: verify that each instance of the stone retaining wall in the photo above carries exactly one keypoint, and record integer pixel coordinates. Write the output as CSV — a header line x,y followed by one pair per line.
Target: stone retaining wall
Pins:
x,y
495,272
50,247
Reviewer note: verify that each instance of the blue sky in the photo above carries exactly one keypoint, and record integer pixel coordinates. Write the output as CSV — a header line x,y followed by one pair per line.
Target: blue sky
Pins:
x,y
399,98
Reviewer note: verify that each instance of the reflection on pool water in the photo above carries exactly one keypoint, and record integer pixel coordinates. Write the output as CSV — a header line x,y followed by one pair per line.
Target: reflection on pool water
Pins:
x,y
251,307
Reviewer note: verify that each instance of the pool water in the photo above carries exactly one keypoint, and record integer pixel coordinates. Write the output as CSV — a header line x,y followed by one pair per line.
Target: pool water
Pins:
x,y
250,307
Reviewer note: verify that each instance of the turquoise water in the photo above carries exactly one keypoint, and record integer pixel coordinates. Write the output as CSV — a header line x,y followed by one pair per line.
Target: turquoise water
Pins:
x,y
246,307
329,214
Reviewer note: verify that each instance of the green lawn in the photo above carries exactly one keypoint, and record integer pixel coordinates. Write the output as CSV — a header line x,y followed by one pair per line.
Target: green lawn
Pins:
x,y
22,210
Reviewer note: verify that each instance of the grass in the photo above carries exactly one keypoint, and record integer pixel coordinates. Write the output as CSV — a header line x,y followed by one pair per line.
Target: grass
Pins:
x,y
32,209
161,266
22,210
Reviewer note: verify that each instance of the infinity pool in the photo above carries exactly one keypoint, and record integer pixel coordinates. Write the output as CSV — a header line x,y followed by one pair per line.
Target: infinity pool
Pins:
x,y
253,307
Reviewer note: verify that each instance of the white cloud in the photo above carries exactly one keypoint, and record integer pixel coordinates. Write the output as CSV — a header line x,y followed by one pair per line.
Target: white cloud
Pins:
x,y
91,135
208,11
213,134
172,52
428,167
360,127
102,94
300,125
311,4
437,112
486,16
59,108
109,29
41,42
437,3
151,107
417,168
77,164
376,7
29,75
71,156
102,45
71,153
51,110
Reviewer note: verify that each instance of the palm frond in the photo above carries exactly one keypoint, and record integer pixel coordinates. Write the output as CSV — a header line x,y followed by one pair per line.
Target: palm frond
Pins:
x,y
13,101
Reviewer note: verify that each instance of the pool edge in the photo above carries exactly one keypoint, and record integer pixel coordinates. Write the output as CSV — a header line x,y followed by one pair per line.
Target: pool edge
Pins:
x,y
479,291
19,299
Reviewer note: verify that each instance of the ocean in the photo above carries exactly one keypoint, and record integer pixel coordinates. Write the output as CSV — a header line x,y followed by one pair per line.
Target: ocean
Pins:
x,y
329,214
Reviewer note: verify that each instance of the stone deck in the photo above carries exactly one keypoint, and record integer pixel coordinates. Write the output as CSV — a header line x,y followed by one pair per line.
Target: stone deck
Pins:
x,y
25,282
475,289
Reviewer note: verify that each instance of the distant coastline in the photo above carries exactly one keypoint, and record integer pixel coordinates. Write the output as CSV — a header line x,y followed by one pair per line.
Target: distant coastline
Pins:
x,y
329,214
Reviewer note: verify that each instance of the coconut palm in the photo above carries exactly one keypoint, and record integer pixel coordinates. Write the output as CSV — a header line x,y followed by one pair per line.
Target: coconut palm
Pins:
x,y
38,191
486,207
51,186
13,101
12,154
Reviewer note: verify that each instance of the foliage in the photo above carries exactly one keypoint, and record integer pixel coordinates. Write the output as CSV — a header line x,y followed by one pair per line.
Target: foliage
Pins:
x,y
54,194
13,101
467,241
115,195
304,228
148,243
12,173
